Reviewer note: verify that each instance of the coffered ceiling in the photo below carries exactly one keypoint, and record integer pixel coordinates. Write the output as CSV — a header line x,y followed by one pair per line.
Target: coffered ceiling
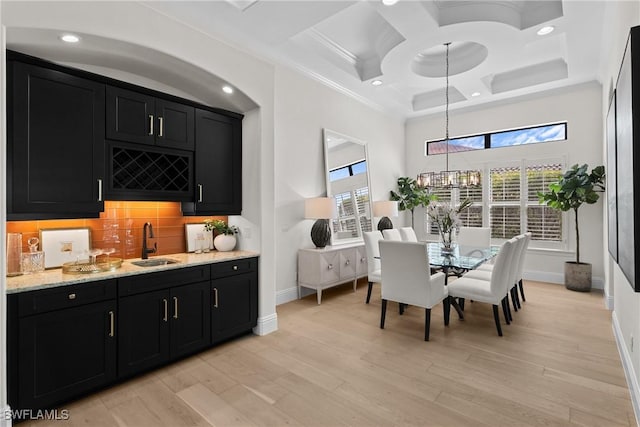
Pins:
x,y
495,51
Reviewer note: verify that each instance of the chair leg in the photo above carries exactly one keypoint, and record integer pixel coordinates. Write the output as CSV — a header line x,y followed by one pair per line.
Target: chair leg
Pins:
x,y
401,308
447,310
506,302
522,290
496,317
504,311
461,303
383,313
514,292
369,291
427,323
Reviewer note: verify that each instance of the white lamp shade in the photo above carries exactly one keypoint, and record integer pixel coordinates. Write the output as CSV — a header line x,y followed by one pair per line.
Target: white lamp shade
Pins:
x,y
388,208
320,208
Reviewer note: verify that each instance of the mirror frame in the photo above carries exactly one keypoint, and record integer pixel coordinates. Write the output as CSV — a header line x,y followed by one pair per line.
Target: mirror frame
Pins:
x,y
326,133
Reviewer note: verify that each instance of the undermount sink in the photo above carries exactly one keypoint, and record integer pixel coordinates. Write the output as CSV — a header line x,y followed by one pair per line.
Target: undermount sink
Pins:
x,y
154,262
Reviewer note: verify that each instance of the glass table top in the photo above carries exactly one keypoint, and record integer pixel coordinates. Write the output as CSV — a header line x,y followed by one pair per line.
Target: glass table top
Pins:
x,y
465,257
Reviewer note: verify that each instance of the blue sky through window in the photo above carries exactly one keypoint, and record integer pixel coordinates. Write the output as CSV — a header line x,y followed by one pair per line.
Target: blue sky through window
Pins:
x,y
529,136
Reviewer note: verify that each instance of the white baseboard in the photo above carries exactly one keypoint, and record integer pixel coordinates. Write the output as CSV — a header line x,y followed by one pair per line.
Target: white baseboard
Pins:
x,y
4,422
287,295
558,278
608,300
266,324
627,365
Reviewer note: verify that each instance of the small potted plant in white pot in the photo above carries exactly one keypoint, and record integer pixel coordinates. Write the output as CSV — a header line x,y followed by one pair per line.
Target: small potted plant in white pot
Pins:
x,y
572,190
225,239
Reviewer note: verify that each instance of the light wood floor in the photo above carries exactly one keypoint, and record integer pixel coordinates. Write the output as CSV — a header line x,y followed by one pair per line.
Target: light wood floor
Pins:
x,y
331,365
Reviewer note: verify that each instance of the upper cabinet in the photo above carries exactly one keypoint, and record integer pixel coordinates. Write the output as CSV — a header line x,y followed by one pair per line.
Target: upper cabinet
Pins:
x,y
144,119
55,144
218,163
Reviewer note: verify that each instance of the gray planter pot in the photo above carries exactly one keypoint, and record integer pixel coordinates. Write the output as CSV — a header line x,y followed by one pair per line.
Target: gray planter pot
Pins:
x,y
577,277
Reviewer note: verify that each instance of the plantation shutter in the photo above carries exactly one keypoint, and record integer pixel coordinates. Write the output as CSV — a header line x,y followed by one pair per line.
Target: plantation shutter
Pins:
x,y
543,222
472,217
504,211
346,219
362,200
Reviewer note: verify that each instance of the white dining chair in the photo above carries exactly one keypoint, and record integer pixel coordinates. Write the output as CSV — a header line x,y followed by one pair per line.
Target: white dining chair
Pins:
x,y
374,275
392,234
493,291
407,279
474,237
407,234
486,273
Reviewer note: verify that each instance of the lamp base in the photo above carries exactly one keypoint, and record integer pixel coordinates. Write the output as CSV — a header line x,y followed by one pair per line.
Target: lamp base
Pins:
x,y
321,233
384,223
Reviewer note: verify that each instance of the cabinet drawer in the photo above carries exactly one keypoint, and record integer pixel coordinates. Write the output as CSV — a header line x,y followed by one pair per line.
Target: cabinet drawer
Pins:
x,y
132,285
230,268
65,297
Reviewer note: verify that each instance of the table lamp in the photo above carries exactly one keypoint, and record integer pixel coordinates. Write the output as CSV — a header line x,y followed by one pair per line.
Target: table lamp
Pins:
x,y
385,209
321,209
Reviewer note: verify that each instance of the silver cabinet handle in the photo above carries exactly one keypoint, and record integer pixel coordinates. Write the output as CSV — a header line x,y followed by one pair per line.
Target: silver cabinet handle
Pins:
x,y
363,259
215,297
112,325
72,296
166,309
175,307
330,267
99,189
235,268
161,120
199,193
347,262
150,124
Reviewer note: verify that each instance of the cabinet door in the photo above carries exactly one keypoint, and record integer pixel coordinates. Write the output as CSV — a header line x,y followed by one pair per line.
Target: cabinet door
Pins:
x,y
175,125
348,264
55,144
130,116
66,353
361,261
235,305
144,324
190,318
218,163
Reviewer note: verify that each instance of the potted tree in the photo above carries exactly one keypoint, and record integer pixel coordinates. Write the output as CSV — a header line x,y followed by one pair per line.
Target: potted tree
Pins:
x,y
410,195
572,190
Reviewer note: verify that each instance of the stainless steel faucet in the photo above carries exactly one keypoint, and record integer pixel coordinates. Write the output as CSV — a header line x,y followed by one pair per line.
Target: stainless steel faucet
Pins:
x,y
146,251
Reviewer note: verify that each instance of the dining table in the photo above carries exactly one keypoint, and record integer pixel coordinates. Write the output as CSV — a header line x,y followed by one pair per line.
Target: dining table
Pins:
x,y
460,259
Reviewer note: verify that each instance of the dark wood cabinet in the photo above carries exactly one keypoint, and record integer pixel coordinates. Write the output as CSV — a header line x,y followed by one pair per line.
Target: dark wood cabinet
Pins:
x,y
218,165
63,343
139,118
190,318
234,286
55,144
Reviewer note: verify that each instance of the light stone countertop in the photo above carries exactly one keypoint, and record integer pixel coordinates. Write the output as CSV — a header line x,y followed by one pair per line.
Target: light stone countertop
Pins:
x,y
54,277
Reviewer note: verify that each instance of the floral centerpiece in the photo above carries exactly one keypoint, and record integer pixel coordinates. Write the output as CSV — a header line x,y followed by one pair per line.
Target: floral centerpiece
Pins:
x,y
225,239
447,219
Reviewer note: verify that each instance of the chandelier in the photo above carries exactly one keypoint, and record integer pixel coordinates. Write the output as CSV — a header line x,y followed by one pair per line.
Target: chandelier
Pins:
x,y
448,178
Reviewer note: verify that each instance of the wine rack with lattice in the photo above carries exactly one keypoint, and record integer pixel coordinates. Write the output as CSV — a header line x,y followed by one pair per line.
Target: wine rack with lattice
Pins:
x,y
150,171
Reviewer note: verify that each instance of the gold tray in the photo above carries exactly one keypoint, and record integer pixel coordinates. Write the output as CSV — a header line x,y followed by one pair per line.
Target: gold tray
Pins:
x,y
86,267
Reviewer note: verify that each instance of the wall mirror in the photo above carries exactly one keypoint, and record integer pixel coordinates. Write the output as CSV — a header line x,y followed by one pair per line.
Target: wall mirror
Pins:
x,y
348,182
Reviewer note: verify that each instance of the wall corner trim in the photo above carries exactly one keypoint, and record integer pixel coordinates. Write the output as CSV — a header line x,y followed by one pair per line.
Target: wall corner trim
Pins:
x,y
627,366
266,325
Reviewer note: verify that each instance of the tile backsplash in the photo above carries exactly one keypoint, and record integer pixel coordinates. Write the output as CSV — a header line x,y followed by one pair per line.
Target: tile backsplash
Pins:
x,y
120,227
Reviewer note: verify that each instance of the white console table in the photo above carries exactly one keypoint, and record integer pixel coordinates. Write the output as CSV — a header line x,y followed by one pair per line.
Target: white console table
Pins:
x,y
331,266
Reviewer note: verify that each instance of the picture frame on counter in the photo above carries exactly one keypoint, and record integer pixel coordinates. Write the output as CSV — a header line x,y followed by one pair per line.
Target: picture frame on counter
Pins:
x,y
196,236
62,245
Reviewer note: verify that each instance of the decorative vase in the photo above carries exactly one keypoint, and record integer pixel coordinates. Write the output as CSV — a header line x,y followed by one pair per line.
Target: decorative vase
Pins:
x,y
447,244
224,242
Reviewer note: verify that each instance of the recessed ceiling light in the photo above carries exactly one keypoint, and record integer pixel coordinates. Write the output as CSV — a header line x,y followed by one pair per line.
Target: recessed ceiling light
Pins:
x,y
475,94
376,82
389,2
227,89
70,38
545,30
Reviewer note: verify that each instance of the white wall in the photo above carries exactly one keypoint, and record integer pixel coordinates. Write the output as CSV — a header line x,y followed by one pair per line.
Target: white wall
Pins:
x,y
580,107
621,16
304,107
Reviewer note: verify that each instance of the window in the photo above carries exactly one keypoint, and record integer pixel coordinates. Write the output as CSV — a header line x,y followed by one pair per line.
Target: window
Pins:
x,y
504,210
352,200
508,138
347,171
543,222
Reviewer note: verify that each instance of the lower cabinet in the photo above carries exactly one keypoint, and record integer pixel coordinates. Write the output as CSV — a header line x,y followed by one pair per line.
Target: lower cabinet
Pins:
x,y
66,341
61,352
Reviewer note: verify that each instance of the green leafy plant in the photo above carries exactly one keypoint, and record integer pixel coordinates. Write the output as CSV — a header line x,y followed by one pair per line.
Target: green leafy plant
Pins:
x,y
572,190
409,195
220,226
